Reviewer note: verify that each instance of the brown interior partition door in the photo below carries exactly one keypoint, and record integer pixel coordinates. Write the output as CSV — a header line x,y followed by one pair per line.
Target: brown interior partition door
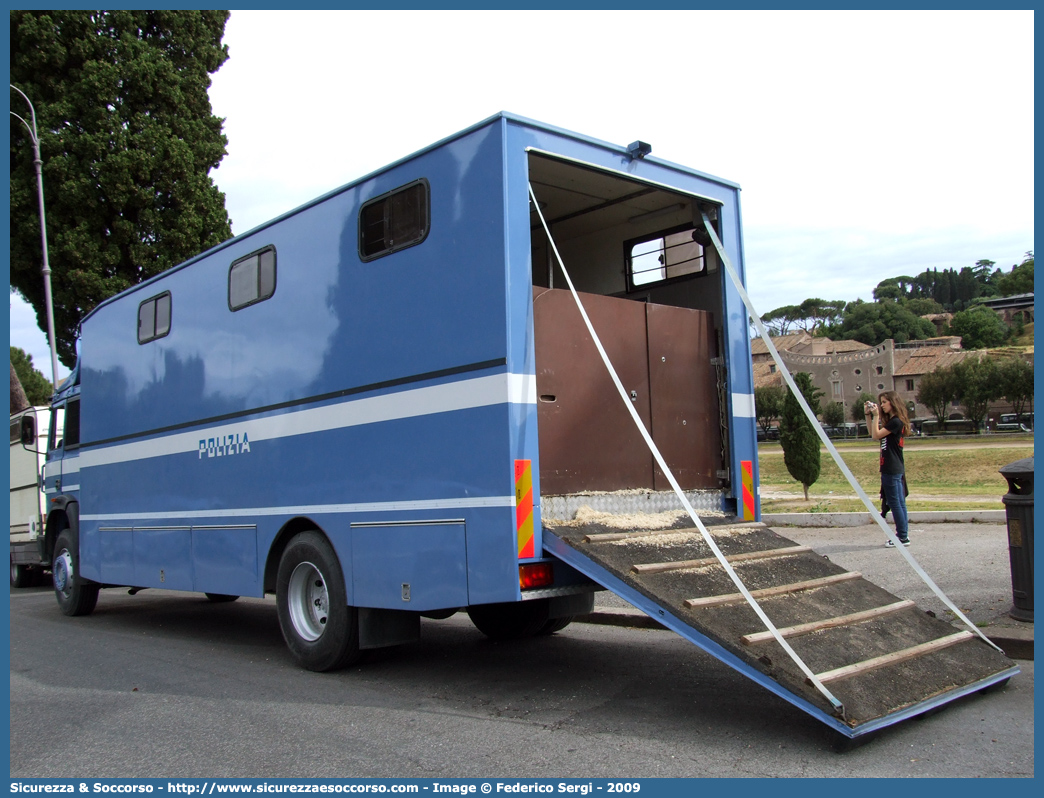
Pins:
x,y
588,441
587,438
684,396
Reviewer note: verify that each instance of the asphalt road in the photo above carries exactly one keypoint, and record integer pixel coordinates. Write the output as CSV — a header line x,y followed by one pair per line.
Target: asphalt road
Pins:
x,y
169,685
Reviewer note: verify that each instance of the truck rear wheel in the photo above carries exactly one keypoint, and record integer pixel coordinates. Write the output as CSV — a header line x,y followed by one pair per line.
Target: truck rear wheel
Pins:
x,y
75,596
556,625
220,598
320,629
511,620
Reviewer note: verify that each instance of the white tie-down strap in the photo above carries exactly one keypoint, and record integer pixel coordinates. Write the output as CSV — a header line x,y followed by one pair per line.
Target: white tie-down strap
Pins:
x,y
760,327
838,706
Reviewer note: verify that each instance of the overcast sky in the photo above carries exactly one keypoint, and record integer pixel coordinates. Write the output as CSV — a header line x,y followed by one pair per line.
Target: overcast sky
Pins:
x,y
867,144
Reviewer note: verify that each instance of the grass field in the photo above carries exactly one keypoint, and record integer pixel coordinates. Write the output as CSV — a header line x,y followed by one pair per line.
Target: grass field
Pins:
x,y
942,474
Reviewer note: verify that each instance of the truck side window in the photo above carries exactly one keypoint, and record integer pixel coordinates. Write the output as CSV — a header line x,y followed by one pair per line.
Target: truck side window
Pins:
x,y
154,318
72,424
252,279
394,221
54,439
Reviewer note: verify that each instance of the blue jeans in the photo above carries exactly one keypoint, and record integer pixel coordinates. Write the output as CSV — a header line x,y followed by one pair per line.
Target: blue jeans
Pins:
x,y
892,484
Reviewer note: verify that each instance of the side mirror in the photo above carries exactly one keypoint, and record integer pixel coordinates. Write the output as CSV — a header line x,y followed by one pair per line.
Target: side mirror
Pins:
x,y
28,431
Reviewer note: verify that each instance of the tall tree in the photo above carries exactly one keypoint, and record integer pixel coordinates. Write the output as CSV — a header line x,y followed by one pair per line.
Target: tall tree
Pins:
x,y
19,402
819,313
834,414
781,320
128,140
856,410
1019,280
1016,382
797,437
922,306
936,390
942,289
983,269
888,289
36,386
977,383
768,404
979,327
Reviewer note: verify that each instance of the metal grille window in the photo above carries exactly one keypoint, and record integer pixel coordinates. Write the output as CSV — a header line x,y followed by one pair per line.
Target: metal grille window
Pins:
x,y
252,279
394,221
154,318
664,257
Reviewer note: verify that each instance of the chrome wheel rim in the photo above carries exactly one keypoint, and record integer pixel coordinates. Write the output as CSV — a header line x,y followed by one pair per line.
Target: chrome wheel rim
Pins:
x,y
63,572
308,601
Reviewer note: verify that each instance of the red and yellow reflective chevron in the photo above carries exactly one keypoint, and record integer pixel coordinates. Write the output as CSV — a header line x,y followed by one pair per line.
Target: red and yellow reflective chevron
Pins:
x,y
747,467
524,507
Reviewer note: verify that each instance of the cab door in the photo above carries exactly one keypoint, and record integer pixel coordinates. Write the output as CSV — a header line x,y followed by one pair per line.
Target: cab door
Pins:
x,y
62,471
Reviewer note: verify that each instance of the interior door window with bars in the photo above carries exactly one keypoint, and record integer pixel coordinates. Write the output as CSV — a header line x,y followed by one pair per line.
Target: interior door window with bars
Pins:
x,y
664,257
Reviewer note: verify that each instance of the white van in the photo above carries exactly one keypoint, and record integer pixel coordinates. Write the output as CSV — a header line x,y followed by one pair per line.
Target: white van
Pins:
x,y
27,499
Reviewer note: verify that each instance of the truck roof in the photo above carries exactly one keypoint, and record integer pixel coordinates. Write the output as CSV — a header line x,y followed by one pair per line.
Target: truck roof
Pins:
x,y
500,116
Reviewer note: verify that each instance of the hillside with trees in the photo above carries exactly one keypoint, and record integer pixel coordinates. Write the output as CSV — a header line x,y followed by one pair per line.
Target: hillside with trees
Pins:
x,y
901,303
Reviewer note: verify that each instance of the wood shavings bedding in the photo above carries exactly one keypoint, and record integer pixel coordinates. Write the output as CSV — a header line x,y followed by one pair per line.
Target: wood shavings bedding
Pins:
x,y
585,516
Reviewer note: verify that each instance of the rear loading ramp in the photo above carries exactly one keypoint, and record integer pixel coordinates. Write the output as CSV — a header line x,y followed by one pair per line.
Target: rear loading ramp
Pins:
x,y
882,657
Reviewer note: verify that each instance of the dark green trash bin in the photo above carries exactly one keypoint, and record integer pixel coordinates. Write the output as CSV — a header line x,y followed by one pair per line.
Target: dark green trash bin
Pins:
x,y
1018,507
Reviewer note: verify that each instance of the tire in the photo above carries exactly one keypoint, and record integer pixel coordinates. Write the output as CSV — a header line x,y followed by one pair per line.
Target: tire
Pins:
x,y
220,598
512,620
320,629
556,625
75,595
20,575
440,615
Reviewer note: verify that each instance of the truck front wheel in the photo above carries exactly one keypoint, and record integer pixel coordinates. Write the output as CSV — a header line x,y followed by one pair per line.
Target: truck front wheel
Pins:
x,y
320,629
75,596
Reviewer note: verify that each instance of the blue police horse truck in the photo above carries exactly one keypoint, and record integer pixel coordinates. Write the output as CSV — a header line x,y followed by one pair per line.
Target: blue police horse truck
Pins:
x,y
366,405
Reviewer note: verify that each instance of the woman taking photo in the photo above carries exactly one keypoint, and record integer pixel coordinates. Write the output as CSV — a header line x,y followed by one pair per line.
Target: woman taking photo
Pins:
x,y
888,423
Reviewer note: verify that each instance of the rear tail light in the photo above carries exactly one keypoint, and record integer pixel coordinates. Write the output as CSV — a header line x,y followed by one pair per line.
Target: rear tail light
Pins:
x,y
535,574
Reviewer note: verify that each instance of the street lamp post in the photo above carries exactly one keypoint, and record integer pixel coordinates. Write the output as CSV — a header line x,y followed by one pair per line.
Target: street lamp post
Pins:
x,y
38,163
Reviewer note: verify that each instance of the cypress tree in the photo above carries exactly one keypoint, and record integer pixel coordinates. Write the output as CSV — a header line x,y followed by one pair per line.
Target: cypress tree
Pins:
x,y
128,142
799,440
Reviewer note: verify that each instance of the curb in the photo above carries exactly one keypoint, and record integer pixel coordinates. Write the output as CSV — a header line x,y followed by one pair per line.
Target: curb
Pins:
x,y
1017,643
864,519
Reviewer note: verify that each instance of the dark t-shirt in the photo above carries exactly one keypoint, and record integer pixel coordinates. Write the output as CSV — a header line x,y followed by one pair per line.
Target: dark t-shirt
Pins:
x,y
892,448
